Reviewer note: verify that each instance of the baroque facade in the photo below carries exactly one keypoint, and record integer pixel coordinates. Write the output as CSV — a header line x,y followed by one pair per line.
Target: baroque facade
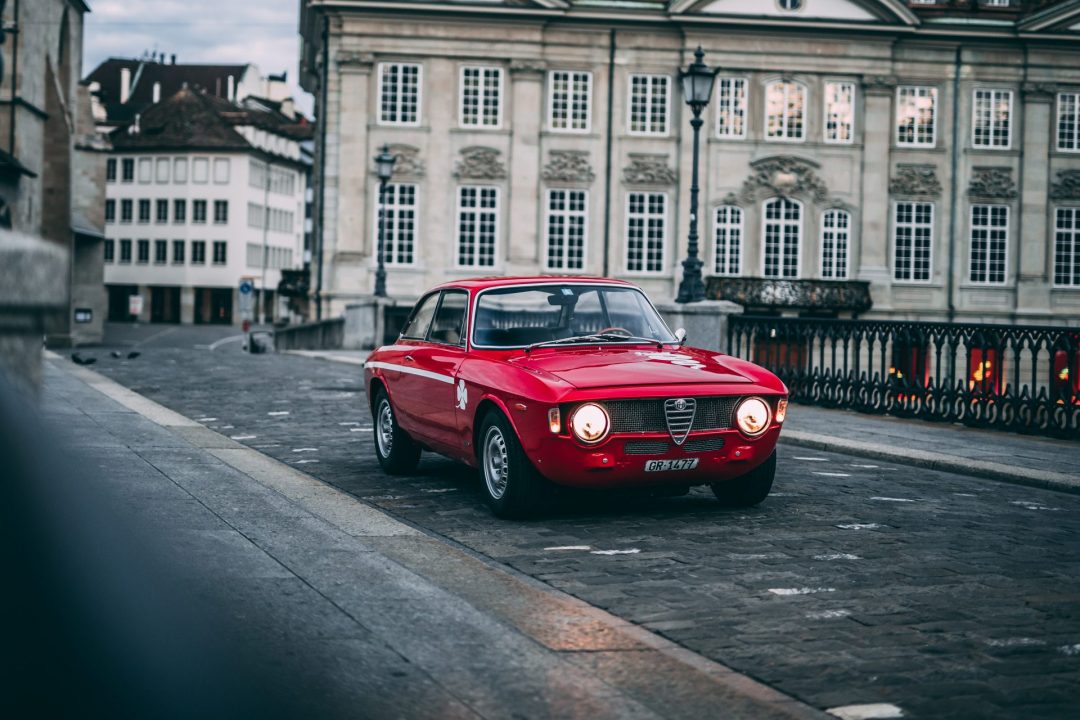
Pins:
x,y
926,152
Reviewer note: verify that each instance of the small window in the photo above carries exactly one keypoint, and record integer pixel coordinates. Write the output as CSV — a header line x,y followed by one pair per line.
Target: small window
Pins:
x,y
481,97
399,246
110,170
128,165
399,94
913,231
220,249
221,212
179,211
646,232
835,240
110,211
417,327
728,233
916,116
649,104
162,211
989,243
161,171
146,170
178,252
125,252
144,252
144,211
127,209
198,211
110,251
569,96
839,112
567,220
1068,122
1067,247
161,252
200,170
990,120
477,225
180,170
785,111
790,5
783,237
198,252
221,171
730,107
449,324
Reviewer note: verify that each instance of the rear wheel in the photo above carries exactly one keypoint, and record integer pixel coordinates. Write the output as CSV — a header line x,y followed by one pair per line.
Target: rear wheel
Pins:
x,y
512,487
396,451
750,489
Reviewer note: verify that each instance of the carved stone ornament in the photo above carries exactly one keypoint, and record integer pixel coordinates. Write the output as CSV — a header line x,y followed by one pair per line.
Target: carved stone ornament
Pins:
x,y
528,67
568,166
354,59
408,162
649,169
992,182
480,163
1038,92
783,175
1067,186
915,180
730,199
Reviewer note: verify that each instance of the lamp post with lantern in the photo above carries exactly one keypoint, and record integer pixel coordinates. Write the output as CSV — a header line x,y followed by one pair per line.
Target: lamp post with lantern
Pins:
x,y
697,85
384,168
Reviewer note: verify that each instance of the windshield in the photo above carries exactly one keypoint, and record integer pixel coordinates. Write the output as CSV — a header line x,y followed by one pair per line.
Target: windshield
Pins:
x,y
527,315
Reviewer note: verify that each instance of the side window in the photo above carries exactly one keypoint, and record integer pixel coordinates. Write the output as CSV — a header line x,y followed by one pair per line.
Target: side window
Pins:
x,y
450,318
421,318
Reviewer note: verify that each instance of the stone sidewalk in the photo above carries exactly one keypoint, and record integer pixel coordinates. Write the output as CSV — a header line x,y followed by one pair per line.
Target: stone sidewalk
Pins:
x,y
1021,459
358,614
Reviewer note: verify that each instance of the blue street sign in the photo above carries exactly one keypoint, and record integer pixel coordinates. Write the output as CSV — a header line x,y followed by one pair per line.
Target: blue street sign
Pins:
x,y
246,287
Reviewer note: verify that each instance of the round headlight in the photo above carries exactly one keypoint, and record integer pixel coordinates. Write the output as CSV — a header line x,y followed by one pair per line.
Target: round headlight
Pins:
x,y
752,415
590,423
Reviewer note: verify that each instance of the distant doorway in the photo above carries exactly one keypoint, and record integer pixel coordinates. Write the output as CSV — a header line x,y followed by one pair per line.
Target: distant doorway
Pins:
x,y
213,306
165,304
118,302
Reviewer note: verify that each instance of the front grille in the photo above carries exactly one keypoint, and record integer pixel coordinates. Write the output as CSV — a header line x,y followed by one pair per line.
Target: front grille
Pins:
x,y
647,415
645,447
705,444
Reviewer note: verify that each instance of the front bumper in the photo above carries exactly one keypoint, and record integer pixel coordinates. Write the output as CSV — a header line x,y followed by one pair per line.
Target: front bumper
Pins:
x,y
620,460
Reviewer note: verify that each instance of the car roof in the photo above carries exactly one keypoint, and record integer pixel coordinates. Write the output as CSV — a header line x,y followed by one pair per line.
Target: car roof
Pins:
x,y
482,283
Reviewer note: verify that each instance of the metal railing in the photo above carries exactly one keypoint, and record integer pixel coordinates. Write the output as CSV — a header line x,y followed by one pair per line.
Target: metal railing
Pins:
x,y
1019,378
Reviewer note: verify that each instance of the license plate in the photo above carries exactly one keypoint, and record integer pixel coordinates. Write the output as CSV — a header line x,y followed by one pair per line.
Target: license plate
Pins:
x,y
669,465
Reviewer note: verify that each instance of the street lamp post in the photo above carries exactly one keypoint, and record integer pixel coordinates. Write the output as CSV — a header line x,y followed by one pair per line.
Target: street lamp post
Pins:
x,y
697,83
384,167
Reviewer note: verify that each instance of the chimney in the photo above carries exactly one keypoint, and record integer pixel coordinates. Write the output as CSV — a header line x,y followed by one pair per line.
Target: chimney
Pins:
x,y
125,85
174,58
157,92
232,89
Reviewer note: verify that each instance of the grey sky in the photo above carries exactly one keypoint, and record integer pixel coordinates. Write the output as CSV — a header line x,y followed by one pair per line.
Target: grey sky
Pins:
x,y
199,31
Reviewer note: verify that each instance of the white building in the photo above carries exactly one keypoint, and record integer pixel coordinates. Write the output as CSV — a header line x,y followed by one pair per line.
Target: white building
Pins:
x,y
197,188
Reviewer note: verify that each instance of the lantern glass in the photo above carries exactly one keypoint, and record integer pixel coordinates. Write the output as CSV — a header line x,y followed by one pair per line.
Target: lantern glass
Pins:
x,y
384,164
697,85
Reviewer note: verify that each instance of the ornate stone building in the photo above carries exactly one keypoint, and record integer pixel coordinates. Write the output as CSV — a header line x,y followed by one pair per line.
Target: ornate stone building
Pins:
x,y
928,152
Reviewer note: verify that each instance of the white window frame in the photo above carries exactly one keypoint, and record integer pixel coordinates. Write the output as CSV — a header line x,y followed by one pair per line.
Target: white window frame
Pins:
x,y
826,112
935,115
1074,253
572,88
989,228
785,122
500,107
839,272
735,80
497,210
994,92
783,243
648,132
930,257
567,214
666,216
728,226
392,230
1075,97
398,102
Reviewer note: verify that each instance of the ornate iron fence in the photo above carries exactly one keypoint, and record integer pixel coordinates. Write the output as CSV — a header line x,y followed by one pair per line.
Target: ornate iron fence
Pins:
x,y
1019,378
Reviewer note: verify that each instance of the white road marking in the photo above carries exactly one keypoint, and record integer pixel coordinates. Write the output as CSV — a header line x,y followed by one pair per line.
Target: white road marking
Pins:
x,y
438,490
837,556
801,591
629,551
304,462
860,465
1070,649
860,526
227,427
810,459
205,419
268,445
305,449
215,345
871,711
1015,642
569,547
891,499
965,495
827,614
278,413
351,422
1028,505
242,437
830,474
367,429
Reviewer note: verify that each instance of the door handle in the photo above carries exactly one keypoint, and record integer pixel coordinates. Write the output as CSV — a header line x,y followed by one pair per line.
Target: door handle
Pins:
x,y
408,358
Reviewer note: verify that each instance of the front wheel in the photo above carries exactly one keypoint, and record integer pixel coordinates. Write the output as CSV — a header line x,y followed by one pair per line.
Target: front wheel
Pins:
x,y
396,451
512,487
750,489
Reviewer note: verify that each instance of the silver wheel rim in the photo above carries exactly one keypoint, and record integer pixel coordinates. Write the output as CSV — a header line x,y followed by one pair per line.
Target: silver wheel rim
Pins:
x,y
496,470
384,430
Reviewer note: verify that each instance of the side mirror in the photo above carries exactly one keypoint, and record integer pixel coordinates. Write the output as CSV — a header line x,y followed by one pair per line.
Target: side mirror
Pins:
x,y
680,335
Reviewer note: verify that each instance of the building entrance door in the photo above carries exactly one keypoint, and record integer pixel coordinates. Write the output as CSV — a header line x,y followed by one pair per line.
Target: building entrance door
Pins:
x,y
165,304
118,302
213,306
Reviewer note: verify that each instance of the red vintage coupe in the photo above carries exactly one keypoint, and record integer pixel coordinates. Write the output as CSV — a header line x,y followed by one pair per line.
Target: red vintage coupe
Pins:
x,y
574,381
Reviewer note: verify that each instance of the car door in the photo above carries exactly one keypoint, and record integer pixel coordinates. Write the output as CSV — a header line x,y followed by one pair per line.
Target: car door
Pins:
x,y
405,380
439,358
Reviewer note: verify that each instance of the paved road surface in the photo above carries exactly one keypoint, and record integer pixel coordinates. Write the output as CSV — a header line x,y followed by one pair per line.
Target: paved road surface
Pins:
x,y
856,582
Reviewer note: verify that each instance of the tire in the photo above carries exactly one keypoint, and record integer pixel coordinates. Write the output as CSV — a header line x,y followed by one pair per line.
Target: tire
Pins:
x,y
750,489
511,486
398,454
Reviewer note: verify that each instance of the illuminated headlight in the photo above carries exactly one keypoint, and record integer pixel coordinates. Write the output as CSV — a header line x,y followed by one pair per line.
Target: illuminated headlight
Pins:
x,y
781,410
752,415
590,423
554,421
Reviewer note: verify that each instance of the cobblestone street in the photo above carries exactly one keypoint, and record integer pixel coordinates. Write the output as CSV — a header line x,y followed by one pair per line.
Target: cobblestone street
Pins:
x,y
856,582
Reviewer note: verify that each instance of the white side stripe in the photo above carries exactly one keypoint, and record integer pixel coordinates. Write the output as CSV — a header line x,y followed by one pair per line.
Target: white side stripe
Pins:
x,y
411,371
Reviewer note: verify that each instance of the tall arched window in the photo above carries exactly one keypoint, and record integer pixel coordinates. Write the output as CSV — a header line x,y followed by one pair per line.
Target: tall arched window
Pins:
x,y
785,111
782,232
728,234
835,237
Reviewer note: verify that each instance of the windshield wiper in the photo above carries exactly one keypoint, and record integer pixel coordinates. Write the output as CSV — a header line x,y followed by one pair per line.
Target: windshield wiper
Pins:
x,y
608,337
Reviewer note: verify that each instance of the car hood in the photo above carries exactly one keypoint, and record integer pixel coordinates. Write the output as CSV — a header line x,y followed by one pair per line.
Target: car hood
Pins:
x,y
639,365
